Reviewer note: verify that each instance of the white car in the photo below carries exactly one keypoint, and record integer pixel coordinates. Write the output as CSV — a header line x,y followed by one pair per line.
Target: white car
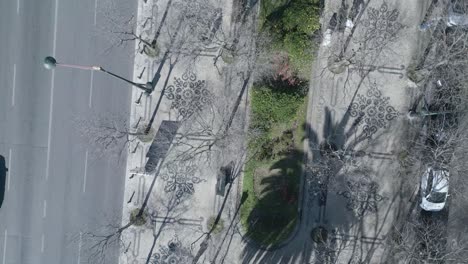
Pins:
x,y
434,189
457,15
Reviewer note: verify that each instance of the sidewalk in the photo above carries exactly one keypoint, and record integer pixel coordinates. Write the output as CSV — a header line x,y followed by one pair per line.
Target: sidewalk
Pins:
x,y
362,112
189,148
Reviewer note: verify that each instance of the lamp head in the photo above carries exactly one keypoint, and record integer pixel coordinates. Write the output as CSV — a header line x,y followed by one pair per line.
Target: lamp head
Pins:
x,y
50,62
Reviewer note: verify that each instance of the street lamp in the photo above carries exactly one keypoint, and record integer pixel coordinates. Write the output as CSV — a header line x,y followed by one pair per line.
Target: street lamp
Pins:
x,y
50,63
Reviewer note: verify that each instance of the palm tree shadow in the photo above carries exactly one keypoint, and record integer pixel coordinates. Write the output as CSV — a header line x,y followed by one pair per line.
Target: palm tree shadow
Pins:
x,y
275,213
270,220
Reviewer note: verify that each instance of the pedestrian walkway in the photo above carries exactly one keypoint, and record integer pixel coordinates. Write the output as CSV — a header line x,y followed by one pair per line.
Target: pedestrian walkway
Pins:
x,y
196,114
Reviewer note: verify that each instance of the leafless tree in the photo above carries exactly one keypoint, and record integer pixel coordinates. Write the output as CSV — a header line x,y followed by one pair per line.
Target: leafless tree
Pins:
x,y
363,32
425,240
161,209
110,134
118,26
206,132
200,30
444,52
111,236
234,170
104,242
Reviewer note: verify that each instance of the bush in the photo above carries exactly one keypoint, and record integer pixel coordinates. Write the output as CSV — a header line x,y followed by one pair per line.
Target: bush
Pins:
x,y
292,25
137,220
299,48
219,227
273,105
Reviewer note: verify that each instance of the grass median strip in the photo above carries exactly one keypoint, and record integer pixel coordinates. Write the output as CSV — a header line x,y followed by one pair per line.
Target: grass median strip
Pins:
x,y
272,176
278,116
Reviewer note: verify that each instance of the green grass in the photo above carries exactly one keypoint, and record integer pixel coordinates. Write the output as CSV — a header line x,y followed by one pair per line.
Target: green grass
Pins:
x,y
272,175
269,213
292,24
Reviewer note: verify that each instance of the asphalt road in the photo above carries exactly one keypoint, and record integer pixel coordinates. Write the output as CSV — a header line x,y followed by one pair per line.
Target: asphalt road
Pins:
x,y
55,187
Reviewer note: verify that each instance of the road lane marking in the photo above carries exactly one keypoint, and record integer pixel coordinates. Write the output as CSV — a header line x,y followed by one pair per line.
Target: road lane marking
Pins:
x,y
49,136
79,248
9,170
55,28
4,246
17,6
44,209
90,102
51,108
14,86
85,171
42,243
95,11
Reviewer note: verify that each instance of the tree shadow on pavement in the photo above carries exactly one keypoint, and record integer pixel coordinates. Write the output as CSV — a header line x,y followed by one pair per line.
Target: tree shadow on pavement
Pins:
x,y
348,190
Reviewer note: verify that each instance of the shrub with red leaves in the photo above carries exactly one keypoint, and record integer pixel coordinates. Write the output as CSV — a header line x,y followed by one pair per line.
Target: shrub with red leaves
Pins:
x,y
284,71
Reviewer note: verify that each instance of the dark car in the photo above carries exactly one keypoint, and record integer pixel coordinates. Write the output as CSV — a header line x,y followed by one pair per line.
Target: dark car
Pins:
x,y
3,171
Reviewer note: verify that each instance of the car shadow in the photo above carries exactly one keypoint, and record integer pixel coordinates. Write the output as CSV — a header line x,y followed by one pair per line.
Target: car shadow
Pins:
x,y
3,171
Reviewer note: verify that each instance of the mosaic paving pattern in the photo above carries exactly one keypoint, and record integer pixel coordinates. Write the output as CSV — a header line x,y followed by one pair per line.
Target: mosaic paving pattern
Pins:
x,y
179,178
381,26
173,253
188,94
374,110
316,178
362,196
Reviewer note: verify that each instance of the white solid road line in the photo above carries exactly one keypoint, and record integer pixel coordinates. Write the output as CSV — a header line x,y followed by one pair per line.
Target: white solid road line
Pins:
x,y
9,170
95,11
17,6
55,28
79,248
4,246
85,171
51,109
14,86
44,209
42,244
90,102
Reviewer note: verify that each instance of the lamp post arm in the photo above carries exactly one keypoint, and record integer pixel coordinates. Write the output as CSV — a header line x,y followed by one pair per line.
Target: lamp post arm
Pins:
x,y
139,85
50,63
